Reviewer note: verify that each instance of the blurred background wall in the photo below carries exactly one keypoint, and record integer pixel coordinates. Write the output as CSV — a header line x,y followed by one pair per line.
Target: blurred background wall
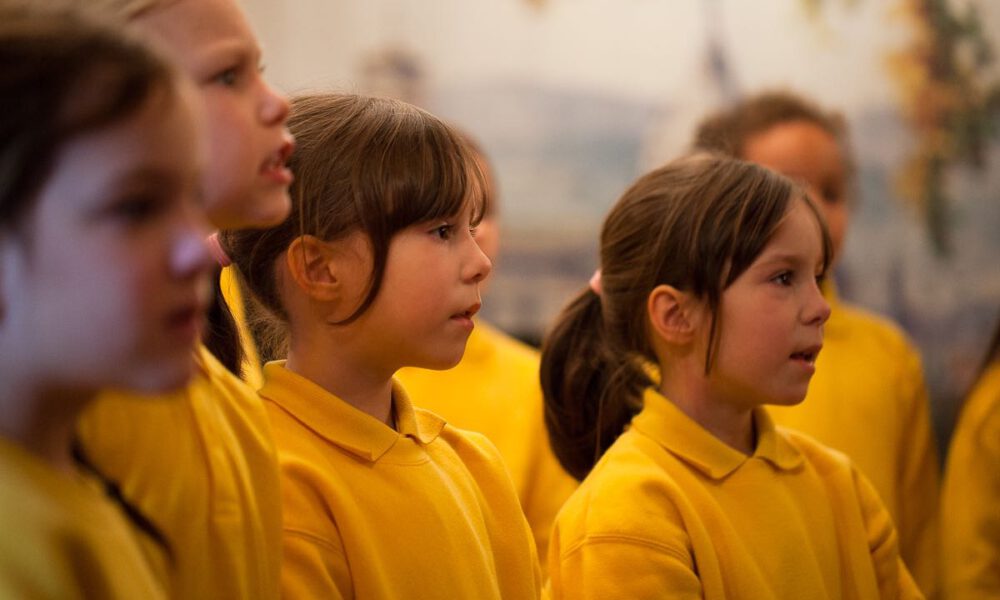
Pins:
x,y
573,99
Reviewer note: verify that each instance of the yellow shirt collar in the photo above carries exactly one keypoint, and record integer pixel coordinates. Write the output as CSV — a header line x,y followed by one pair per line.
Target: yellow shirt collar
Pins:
x,y
662,421
340,423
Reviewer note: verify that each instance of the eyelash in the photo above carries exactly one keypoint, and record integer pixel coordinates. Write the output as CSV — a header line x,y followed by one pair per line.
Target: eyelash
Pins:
x,y
444,232
784,278
228,77
136,209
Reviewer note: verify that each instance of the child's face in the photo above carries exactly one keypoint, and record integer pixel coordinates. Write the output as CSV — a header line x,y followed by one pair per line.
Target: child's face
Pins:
x,y
246,182
772,316
806,153
422,315
105,283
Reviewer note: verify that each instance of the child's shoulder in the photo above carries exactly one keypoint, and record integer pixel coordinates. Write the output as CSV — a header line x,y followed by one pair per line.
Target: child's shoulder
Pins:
x,y
863,326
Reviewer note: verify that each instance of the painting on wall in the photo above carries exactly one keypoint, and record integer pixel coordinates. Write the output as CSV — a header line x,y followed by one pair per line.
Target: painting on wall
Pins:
x,y
573,99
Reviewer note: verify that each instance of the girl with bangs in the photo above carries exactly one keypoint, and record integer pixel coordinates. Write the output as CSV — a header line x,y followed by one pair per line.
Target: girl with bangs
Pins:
x,y
709,271
377,269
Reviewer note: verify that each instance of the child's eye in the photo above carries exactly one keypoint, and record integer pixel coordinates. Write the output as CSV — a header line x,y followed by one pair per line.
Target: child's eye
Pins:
x,y
444,232
820,278
783,278
228,77
473,231
135,210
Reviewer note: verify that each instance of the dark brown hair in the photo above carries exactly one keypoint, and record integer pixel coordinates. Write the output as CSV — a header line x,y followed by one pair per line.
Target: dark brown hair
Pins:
x,y
361,164
696,224
61,75
728,131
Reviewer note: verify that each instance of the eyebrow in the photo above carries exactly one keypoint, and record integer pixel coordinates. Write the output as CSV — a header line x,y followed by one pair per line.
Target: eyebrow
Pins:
x,y
783,258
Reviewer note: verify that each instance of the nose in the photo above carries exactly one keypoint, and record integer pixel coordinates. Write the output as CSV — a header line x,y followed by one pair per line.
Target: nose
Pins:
x,y
274,106
477,266
190,254
817,309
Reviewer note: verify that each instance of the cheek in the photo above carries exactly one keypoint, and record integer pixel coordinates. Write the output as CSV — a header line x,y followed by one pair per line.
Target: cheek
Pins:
x,y
229,167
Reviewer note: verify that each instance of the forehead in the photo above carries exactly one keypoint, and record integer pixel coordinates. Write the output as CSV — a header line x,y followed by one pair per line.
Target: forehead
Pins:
x,y
189,29
158,143
798,237
795,148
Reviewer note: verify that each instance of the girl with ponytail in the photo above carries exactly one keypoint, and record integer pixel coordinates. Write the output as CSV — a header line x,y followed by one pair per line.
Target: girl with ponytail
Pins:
x,y
709,279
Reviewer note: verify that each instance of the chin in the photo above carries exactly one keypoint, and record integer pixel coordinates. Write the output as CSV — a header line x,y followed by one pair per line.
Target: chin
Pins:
x,y
271,209
163,377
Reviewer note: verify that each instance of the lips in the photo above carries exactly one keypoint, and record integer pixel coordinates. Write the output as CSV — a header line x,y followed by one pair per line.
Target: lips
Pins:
x,y
807,355
469,312
464,318
274,167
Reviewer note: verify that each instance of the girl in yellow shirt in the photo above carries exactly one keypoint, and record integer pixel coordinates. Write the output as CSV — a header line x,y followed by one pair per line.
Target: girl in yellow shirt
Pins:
x,y
709,270
970,500
103,283
376,269
201,462
868,398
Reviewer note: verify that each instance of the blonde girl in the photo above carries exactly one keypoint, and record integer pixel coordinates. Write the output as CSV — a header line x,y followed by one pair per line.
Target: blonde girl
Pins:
x,y
709,271
868,398
103,282
201,462
377,269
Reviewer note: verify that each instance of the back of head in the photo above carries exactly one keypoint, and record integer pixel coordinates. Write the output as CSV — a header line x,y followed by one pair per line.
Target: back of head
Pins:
x,y
365,164
62,74
695,224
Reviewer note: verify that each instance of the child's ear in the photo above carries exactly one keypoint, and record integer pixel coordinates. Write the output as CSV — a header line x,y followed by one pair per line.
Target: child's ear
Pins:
x,y
310,263
673,314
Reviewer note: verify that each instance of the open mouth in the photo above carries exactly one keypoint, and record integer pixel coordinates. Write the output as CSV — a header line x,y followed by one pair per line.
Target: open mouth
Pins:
x,y
276,163
468,313
809,355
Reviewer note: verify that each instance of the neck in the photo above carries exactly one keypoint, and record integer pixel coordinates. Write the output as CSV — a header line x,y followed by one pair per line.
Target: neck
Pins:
x,y
730,422
43,421
335,366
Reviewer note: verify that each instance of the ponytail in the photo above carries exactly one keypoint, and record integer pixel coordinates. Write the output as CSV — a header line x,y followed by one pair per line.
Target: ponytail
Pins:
x,y
591,391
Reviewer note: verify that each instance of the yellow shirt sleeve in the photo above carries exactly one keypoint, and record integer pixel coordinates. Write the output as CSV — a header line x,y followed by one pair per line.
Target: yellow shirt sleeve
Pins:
x,y
314,568
971,497
623,565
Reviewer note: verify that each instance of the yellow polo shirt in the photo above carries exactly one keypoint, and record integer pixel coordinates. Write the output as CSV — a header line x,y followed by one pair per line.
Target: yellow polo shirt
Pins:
x,y
970,502
671,511
425,512
868,400
62,538
495,391
200,464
